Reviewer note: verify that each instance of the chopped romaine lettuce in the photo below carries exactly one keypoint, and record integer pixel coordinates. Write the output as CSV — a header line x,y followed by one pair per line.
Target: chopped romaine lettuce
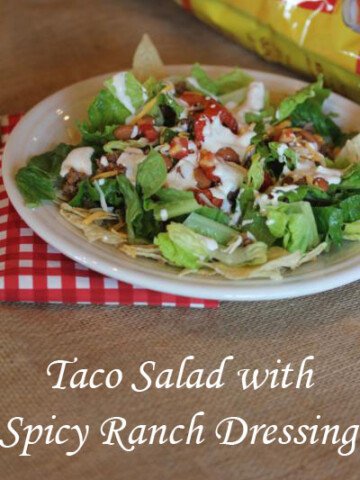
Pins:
x,y
253,254
182,246
300,232
38,181
210,228
352,231
128,90
329,222
35,185
256,172
289,104
175,254
151,174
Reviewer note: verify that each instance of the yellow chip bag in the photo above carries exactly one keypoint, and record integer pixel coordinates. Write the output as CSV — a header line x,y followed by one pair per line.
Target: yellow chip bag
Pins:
x,y
313,36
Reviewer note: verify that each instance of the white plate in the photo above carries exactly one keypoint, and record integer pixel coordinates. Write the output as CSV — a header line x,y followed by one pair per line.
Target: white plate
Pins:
x,y
52,121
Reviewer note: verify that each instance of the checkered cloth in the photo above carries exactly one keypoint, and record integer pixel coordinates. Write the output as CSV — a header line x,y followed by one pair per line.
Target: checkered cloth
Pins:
x,y
32,271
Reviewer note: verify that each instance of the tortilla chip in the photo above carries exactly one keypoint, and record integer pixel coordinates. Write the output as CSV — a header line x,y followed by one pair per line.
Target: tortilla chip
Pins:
x,y
147,251
92,232
147,61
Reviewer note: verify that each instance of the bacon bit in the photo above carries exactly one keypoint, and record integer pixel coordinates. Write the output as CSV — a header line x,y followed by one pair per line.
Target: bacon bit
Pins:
x,y
207,159
321,183
147,129
179,147
288,180
207,164
275,131
202,179
228,154
287,135
217,202
267,182
312,137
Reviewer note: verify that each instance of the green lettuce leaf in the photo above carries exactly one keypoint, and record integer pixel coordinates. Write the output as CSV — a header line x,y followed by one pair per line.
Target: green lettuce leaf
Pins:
x,y
175,254
96,137
134,211
300,232
256,172
50,162
203,82
174,202
225,86
35,185
130,87
106,110
350,208
253,254
350,179
182,246
329,222
151,174
39,180
289,104
352,231
310,112
214,214
86,196
231,81
210,228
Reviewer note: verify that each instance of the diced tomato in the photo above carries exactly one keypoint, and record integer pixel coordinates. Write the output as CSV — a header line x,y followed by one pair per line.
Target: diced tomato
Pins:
x,y
210,109
147,129
193,98
179,147
217,202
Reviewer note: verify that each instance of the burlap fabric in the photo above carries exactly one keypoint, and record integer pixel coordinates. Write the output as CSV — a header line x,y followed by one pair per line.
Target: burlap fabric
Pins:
x,y
45,46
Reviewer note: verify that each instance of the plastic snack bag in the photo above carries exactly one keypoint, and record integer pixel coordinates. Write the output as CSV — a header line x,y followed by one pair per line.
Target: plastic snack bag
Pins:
x,y
313,36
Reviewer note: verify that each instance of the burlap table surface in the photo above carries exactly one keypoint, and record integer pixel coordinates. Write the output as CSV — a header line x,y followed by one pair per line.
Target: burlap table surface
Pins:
x,y
45,45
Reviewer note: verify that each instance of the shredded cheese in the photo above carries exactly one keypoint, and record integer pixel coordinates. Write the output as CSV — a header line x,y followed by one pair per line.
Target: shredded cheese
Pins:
x,y
148,106
111,173
97,216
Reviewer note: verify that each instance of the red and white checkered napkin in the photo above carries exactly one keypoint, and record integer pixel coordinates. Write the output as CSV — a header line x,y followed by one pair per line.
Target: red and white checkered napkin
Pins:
x,y
32,271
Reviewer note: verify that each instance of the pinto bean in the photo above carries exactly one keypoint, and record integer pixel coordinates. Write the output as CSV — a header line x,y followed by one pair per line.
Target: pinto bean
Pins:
x,y
168,162
202,180
123,132
227,154
321,183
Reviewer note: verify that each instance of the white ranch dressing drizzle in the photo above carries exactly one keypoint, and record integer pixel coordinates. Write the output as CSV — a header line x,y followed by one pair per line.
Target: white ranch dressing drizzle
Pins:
x,y
217,136
79,159
231,177
164,215
104,161
308,169
331,175
131,158
103,203
254,102
119,84
210,243
264,200
182,176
